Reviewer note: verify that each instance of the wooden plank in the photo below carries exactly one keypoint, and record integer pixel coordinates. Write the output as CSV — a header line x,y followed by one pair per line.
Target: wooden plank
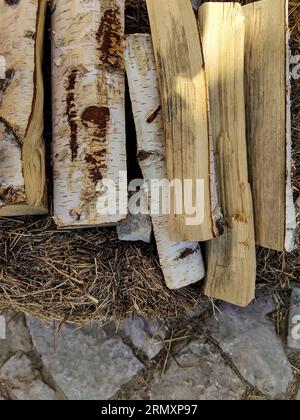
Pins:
x,y
181,262
268,122
89,140
231,258
22,152
184,99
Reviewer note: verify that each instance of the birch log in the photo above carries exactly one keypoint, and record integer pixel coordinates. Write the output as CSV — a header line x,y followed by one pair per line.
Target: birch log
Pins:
x,y
181,263
89,111
22,153
268,90
231,271
184,99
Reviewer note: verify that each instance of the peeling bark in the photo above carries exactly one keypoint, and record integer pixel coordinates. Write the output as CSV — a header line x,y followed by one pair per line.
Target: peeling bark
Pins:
x,y
22,154
181,262
88,108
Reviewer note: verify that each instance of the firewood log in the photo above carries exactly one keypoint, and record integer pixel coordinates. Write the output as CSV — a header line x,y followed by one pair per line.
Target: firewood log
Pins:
x,y
268,88
22,152
184,100
231,270
181,262
89,144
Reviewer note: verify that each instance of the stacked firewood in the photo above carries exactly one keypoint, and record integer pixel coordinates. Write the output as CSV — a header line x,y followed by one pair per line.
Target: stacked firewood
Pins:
x,y
210,96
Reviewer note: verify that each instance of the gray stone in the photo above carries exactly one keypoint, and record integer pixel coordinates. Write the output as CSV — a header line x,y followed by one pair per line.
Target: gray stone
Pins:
x,y
197,372
253,345
136,228
145,335
298,396
196,4
294,320
23,381
83,365
17,336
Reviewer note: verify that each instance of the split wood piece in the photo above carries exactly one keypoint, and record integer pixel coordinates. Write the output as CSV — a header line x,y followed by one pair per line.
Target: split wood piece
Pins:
x,y
184,97
89,142
231,258
269,122
181,263
22,151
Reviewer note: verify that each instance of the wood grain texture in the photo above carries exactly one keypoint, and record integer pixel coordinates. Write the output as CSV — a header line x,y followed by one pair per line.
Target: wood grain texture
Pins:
x,y
22,152
231,270
89,140
184,99
181,262
268,122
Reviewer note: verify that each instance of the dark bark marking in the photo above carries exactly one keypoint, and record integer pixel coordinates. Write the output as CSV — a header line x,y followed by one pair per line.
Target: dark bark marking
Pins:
x,y
97,119
4,83
186,253
72,113
98,116
110,40
9,130
30,35
154,115
143,155
12,2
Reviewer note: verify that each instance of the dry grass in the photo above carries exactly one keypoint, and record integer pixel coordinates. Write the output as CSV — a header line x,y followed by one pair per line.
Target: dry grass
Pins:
x,y
85,275
82,275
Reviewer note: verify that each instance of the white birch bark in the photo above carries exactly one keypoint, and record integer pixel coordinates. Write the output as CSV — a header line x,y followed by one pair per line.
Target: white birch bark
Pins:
x,y
88,108
181,263
291,218
22,154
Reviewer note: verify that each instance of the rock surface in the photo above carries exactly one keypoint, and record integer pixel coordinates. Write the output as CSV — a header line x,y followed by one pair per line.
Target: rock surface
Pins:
x,y
23,381
84,364
197,372
294,320
17,336
136,228
145,335
253,345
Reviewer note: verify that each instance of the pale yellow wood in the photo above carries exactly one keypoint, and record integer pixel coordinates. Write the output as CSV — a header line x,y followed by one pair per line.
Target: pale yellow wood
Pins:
x,y
22,151
231,270
184,99
267,120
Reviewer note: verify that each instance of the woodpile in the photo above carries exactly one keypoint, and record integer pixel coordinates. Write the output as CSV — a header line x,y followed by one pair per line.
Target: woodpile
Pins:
x,y
210,96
